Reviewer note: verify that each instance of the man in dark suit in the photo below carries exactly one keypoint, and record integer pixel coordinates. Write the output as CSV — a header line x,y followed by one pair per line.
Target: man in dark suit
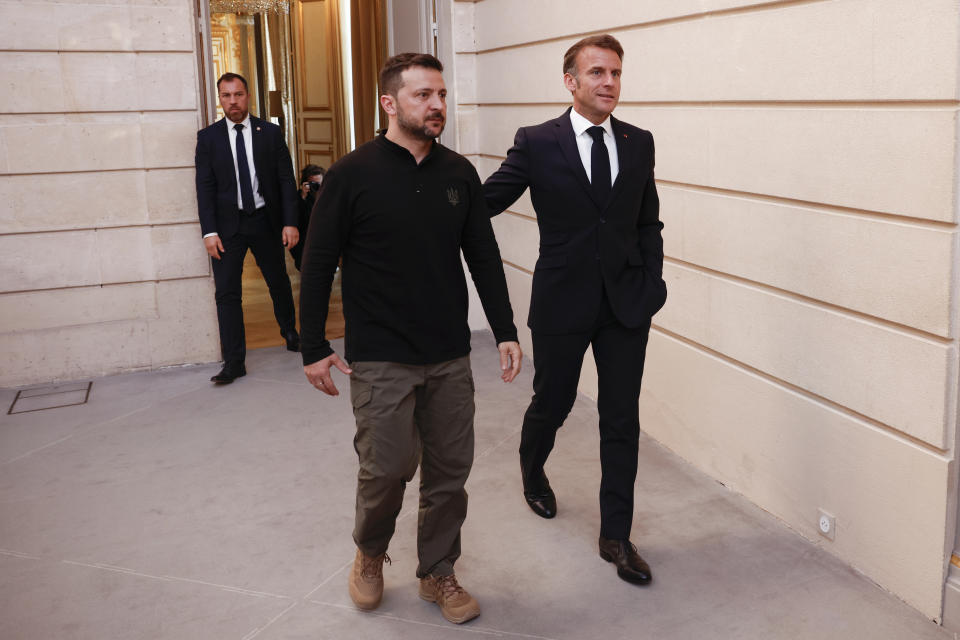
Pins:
x,y
247,199
598,281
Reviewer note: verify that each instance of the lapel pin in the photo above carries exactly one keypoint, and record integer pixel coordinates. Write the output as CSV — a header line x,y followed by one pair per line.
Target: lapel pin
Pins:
x,y
624,135
258,129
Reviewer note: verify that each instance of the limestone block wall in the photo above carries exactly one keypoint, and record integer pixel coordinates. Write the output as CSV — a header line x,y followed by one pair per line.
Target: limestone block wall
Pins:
x,y
806,164
101,265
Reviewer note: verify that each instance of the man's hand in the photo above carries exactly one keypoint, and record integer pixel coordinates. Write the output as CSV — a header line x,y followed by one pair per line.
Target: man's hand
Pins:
x,y
318,373
214,246
291,236
510,357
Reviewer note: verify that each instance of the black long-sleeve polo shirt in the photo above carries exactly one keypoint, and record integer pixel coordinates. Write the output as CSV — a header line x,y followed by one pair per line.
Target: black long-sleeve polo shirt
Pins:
x,y
400,228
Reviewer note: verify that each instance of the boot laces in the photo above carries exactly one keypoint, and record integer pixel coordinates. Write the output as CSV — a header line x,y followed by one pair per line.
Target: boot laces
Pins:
x,y
372,567
448,587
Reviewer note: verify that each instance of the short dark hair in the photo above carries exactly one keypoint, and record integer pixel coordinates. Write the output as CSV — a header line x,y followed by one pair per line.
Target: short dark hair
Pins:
x,y
230,77
311,170
390,74
605,41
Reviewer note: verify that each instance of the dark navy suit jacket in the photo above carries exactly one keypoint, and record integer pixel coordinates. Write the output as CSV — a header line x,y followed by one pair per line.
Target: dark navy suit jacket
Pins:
x,y
586,246
217,182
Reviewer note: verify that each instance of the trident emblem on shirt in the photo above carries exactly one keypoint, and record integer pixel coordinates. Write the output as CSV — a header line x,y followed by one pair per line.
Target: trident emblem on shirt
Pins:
x,y
453,196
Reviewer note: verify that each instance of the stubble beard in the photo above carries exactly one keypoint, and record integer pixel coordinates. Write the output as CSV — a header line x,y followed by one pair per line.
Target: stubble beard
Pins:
x,y
240,112
419,130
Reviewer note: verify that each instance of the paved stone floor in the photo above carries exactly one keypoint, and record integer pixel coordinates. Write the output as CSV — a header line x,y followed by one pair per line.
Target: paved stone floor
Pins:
x,y
166,508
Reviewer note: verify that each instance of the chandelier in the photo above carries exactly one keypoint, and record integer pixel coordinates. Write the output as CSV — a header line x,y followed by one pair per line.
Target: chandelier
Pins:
x,y
249,6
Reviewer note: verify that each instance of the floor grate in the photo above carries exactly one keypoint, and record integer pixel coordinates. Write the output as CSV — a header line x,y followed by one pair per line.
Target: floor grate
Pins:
x,y
50,397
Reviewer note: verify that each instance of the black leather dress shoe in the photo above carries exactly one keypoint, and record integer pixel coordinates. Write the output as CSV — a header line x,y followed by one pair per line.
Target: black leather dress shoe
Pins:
x,y
230,372
292,338
630,566
540,497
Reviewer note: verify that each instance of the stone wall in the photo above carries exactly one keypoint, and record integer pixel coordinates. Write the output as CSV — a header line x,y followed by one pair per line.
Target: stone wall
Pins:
x,y
101,264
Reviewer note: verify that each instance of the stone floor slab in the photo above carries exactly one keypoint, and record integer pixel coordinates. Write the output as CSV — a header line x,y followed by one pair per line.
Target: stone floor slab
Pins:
x,y
49,599
169,508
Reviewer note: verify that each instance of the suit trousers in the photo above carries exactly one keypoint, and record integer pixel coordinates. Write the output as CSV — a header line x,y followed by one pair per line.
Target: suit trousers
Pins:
x,y
255,233
409,415
619,354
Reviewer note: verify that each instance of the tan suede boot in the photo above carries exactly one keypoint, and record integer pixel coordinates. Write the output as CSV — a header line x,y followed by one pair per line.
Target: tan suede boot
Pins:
x,y
456,604
366,580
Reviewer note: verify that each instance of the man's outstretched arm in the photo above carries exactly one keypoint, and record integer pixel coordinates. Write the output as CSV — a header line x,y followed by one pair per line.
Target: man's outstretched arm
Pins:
x,y
508,183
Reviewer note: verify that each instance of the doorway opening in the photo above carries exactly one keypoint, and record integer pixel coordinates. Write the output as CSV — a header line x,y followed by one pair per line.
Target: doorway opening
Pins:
x,y
311,66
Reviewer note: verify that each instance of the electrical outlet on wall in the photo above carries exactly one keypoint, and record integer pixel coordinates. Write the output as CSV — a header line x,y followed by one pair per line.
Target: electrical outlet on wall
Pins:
x,y
826,525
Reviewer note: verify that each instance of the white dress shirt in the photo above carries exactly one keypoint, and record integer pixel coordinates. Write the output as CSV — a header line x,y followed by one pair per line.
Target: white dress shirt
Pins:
x,y
258,200
585,144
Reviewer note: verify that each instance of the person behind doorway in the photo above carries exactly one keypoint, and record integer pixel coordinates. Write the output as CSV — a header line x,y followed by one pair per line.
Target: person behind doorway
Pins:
x,y
246,199
399,210
310,180
598,281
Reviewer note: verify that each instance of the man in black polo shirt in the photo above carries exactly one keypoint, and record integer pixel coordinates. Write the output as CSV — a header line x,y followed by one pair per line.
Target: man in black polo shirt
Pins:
x,y
399,210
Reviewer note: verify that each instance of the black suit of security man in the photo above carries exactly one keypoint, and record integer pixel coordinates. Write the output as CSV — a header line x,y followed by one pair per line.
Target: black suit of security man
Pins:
x,y
260,214
598,280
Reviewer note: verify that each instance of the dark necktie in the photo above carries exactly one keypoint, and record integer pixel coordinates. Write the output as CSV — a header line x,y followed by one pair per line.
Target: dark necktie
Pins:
x,y
599,165
246,183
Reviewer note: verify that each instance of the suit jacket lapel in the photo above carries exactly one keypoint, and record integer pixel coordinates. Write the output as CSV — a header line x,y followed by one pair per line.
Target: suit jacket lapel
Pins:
x,y
226,151
625,157
568,144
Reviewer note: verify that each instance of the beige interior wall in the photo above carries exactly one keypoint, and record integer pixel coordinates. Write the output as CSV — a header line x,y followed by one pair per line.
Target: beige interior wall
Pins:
x,y
806,163
101,264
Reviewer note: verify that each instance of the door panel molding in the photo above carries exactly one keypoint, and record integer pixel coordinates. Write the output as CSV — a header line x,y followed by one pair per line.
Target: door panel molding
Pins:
x,y
320,95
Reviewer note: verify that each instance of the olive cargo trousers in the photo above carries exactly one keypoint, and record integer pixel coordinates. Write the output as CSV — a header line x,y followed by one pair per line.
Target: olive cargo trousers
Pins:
x,y
408,415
